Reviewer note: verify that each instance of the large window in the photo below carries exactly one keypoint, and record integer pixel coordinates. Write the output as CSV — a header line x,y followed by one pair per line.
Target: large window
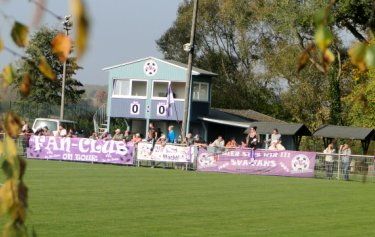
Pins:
x,y
139,88
200,91
178,89
160,89
127,88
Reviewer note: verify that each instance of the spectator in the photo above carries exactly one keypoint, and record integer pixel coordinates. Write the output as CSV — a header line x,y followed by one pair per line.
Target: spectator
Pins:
x,y
198,141
162,140
94,136
171,134
253,139
219,142
118,135
276,147
46,131
71,133
136,139
127,136
152,138
25,126
275,137
105,136
345,152
61,132
232,143
329,160
189,139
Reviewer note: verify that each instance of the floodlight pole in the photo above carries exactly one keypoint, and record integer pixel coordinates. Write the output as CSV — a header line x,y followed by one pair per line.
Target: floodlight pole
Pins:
x,y
190,48
67,26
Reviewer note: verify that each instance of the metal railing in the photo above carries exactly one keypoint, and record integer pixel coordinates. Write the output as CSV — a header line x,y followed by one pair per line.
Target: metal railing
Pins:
x,y
359,167
100,119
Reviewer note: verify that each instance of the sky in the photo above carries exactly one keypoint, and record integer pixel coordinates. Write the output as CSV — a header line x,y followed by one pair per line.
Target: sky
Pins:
x,y
121,30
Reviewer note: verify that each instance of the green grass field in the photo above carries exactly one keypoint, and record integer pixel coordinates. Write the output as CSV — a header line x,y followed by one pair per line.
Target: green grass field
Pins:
x,y
79,199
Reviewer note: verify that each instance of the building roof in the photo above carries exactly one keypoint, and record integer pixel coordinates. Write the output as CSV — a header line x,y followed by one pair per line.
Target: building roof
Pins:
x,y
283,128
265,124
199,70
195,70
334,131
220,117
251,115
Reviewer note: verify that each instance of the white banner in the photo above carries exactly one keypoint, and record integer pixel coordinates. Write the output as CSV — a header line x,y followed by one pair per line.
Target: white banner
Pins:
x,y
167,153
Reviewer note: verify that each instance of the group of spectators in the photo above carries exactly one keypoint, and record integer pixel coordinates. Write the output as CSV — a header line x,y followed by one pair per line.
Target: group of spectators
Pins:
x,y
156,136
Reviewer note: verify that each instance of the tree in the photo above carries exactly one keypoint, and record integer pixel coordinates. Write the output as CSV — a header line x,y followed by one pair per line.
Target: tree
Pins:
x,y
44,88
226,43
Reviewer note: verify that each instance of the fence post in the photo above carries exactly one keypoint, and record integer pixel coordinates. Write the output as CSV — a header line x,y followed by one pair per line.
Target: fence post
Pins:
x,y
338,167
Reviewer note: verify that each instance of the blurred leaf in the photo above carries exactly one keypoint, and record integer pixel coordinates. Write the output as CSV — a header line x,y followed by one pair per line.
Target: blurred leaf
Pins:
x,y
1,148
81,23
1,44
370,56
7,168
46,69
303,59
328,59
25,85
7,194
8,75
38,13
61,45
320,17
357,55
323,37
12,124
19,34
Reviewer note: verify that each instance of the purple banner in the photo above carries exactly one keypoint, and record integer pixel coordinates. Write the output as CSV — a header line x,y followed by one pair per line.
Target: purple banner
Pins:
x,y
80,149
262,162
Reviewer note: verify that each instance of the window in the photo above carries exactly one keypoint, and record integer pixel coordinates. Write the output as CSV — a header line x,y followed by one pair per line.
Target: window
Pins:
x,y
139,88
121,87
160,89
127,88
200,91
178,89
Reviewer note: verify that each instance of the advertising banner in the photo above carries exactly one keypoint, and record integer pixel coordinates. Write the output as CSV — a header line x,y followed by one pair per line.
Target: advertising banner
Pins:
x,y
80,149
166,153
261,162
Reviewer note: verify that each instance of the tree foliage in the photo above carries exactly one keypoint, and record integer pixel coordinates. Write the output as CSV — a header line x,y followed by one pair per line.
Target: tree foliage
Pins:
x,y
259,49
46,85
13,191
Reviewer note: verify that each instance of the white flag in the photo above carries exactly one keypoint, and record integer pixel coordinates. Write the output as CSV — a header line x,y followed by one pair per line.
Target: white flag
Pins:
x,y
170,100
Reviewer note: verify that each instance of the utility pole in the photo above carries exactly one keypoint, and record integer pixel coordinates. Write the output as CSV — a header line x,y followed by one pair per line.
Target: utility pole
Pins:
x,y
67,24
189,47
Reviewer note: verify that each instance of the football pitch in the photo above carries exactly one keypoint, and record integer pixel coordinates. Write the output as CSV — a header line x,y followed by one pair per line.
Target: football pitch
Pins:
x,y
80,199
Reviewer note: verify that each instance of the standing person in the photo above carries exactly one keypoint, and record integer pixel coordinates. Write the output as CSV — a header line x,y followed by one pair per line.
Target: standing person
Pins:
x,y
345,152
329,160
171,134
253,140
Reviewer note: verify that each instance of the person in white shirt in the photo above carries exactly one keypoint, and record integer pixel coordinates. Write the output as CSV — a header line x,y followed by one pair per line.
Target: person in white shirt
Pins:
x,y
329,160
345,152
61,132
